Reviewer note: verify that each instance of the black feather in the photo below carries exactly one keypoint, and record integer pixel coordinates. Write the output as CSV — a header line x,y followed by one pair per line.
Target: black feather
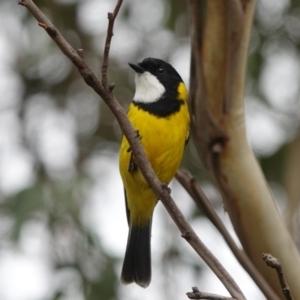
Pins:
x,y
127,208
137,261
165,107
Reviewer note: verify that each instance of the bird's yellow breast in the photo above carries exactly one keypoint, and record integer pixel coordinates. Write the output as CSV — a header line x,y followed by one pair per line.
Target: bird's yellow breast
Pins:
x,y
163,139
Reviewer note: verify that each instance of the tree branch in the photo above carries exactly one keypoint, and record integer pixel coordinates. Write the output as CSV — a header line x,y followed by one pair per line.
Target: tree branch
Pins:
x,y
202,202
196,294
275,263
104,91
109,35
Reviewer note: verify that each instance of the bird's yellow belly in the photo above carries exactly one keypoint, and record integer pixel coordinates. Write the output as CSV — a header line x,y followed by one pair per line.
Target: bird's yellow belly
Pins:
x,y
163,140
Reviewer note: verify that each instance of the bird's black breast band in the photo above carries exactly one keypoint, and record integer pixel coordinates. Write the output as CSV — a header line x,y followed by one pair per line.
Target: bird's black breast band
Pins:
x,y
164,107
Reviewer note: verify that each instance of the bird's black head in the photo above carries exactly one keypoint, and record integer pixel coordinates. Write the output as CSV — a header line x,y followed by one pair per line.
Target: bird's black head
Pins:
x,y
162,70
159,88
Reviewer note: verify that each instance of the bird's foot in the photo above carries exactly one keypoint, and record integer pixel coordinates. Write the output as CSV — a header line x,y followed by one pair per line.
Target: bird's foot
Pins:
x,y
166,188
138,136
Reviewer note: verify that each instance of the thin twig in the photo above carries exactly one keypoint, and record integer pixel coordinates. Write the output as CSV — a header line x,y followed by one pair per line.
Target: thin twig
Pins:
x,y
196,294
109,35
275,263
138,151
202,202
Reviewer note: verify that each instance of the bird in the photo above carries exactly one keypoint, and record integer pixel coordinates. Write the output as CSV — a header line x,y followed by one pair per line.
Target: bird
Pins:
x,y
159,113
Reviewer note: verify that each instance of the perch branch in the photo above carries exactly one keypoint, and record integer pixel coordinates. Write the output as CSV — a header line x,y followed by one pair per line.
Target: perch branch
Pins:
x,y
275,263
104,91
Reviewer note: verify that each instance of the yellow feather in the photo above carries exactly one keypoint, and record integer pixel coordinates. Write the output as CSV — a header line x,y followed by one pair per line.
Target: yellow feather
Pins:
x,y
163,139
182,92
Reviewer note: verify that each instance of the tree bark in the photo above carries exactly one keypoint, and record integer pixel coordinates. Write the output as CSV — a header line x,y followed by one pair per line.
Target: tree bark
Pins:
x,y
291,181
219,55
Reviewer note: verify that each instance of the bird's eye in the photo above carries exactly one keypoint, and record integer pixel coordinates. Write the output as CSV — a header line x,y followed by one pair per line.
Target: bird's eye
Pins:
x,y
160,70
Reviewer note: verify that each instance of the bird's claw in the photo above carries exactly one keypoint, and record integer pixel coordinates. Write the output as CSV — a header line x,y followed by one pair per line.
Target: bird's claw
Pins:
x,y
138,136
166,188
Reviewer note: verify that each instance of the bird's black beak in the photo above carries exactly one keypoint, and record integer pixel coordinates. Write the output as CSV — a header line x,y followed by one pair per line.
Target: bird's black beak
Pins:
x,y
137,68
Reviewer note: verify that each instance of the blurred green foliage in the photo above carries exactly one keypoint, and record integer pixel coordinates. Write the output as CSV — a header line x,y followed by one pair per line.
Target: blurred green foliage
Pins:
x,y
56,195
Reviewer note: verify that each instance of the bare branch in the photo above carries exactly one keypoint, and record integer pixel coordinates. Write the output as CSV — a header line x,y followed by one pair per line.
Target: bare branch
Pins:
x,y
204,204
196,294
111,21
104,91
275,263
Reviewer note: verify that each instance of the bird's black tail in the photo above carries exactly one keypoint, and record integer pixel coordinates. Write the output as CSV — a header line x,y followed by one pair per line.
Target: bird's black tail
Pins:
x,y
137,261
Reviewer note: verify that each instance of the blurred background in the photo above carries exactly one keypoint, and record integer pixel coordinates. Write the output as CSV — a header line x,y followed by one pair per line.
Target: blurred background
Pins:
x,y
63,228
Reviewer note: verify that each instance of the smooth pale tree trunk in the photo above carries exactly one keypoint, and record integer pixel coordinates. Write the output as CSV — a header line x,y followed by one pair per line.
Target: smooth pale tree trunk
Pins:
x,y
219,54
292,185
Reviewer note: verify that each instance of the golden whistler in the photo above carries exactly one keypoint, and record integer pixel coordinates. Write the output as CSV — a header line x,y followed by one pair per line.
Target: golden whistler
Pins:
x,y
159,113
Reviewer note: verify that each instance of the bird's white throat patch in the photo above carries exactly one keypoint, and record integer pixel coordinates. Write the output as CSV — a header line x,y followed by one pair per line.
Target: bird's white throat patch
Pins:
x,y
148,89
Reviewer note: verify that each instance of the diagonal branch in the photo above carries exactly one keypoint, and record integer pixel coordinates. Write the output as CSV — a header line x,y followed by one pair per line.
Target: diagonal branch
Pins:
x,y
105,92
204,204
